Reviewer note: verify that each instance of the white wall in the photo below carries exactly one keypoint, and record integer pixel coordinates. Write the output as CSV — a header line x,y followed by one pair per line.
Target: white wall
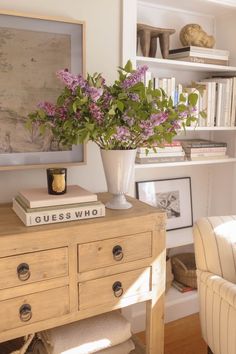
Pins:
x,y
103,54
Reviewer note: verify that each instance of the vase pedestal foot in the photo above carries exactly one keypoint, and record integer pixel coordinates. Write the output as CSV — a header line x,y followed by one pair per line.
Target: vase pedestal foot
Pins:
x,y
118,201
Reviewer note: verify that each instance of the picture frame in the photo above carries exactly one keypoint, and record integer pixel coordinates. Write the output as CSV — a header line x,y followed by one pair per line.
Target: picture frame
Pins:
x,y
33,49
173,195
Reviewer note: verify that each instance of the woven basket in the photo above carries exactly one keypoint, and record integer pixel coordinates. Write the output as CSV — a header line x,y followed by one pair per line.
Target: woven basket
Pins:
x,y
184,269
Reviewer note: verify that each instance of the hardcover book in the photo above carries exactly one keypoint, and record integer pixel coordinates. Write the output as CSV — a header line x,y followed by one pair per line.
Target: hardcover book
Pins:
x,y
42,217
39,197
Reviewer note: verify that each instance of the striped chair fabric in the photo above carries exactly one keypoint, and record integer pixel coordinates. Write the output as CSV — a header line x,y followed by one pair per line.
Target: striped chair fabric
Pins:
x,y
215,250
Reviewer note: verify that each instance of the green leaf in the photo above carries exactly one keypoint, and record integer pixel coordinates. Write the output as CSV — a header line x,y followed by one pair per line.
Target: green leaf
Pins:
x,y
193,98
120,105
128,67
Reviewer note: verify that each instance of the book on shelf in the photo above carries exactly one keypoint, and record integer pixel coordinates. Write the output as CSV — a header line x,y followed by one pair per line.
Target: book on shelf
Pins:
x,y
197,150
181,287
194,50
161,154
206,157
196,59
144,160
200,143
39,197
174,146
63,213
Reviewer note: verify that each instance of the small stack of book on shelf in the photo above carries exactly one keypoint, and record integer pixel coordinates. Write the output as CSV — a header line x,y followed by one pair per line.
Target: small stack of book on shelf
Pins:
x,y
34,206
171,152
200,55
181,287
201,149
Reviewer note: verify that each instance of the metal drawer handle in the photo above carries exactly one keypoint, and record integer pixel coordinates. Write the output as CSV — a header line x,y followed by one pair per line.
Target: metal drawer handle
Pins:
x,y
23,271
117,289
118,253
25,313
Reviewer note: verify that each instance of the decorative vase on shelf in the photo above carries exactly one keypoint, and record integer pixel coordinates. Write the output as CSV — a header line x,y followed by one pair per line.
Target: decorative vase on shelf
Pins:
x,y
118,167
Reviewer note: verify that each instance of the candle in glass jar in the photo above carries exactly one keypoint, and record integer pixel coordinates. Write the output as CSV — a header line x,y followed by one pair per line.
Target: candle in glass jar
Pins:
x,y
57,180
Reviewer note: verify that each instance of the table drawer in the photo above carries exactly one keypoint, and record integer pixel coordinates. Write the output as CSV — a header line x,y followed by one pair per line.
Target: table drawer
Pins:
x,y
110,290
31,267
32,308
114,251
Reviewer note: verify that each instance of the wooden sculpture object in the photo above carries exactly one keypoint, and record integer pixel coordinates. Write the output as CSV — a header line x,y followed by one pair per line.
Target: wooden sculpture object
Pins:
x,y
148,39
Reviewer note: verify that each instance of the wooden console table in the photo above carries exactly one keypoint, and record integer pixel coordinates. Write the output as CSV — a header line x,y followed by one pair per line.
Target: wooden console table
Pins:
x,y
59,273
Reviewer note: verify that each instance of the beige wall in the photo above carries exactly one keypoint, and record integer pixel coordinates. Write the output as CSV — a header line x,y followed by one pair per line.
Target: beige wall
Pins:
x,y
103,54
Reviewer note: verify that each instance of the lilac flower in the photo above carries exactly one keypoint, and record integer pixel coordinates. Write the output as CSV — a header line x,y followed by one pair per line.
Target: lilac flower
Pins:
x,y
158,118
147,127
94,93
62,113
107,97
134,97
128,120
48,107
96,112
134,77
122,134
183,114
71,81
176,124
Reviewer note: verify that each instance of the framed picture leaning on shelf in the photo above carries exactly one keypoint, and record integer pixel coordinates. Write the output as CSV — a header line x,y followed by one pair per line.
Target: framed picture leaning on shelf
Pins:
x,y
173,195
33,49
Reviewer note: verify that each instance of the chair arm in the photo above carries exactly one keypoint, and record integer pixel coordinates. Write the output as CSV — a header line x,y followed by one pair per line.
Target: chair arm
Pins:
x,y
223,288
215,246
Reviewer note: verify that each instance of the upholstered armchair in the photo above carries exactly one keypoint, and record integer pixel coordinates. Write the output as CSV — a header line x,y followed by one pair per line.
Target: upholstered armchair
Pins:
x,y
215,249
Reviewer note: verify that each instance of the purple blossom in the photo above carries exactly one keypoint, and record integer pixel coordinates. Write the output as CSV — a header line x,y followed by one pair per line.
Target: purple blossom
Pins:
x,y
94,93
49,108
107,97
129,120
96,112
134,97
148,128
183,114
158,118
176,124
122,134
71,81
62,113
134,77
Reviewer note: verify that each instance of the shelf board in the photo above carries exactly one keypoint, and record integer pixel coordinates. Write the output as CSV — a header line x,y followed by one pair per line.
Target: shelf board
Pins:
x,y
179,237
184,163
183,65
209,129
179,305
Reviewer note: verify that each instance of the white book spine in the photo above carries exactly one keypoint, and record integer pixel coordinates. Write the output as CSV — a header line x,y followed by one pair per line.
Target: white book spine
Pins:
x,y
219,90
56,216
161,154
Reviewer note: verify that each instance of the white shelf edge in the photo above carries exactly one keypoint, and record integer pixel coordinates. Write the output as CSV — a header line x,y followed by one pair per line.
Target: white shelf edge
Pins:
x,y
184,65
175,297
184,163
209,128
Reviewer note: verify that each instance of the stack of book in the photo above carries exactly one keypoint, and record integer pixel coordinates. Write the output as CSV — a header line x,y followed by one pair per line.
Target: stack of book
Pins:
x,y
201,149
34,206
200,55
171,152
181,287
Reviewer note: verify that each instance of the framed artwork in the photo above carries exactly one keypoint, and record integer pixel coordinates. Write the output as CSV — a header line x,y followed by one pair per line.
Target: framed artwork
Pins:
x,y
32,50
173,196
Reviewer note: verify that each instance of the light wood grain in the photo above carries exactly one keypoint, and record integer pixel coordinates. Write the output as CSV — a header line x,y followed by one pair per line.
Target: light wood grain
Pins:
x,y
99,291
43,306
100,254
73,269
42,266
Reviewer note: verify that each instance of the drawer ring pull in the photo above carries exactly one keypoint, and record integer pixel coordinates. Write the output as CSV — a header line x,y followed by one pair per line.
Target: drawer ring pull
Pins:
x,y
118,253
117,289
25,313
23,271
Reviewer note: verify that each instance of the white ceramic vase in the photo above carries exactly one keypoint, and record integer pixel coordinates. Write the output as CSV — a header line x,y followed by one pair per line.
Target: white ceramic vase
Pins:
x,y
118,167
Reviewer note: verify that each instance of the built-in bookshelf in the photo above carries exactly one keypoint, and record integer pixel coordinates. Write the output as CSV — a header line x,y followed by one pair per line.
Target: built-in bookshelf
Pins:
x,y
213,181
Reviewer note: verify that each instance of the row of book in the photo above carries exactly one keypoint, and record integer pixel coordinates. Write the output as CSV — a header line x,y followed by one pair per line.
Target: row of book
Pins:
x,y
200,55
181,150
216,98
34,206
